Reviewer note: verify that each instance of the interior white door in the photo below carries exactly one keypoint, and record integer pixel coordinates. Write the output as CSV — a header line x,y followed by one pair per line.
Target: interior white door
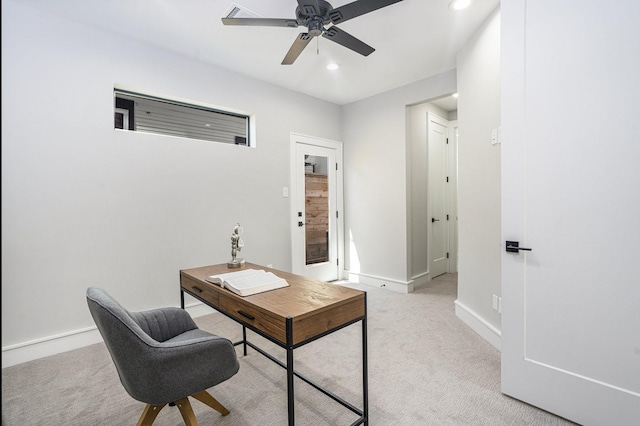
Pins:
x,y
571,305
315,247
438,245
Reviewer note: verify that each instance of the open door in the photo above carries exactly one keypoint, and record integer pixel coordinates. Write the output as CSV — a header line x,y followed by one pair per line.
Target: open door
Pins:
x,y
570,179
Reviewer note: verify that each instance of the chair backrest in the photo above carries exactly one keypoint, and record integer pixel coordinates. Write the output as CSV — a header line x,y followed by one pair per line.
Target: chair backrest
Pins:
x,y
129,345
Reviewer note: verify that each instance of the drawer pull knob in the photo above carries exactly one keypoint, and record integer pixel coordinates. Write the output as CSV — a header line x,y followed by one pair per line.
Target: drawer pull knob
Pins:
x,y
246,315
199,290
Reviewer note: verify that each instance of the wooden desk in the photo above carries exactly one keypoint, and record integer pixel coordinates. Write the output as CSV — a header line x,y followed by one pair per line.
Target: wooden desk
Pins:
x,y
290,317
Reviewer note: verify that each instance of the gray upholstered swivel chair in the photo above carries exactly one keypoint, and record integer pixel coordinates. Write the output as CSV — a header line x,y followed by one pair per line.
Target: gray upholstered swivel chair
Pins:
x,y
162,357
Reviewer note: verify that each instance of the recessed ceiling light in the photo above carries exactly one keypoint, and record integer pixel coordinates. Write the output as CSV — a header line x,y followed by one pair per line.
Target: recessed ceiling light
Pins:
x,y
455,95
459,4
333,66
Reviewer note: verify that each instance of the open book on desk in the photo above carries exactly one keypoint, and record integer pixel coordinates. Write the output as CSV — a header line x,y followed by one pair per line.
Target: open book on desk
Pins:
x,y
248,281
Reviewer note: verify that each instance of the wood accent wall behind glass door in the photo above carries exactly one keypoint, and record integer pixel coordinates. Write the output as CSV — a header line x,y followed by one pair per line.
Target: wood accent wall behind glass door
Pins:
x,y
317,217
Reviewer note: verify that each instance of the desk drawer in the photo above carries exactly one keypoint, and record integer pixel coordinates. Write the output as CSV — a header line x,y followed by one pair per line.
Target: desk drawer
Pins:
x,y
247,313
204,291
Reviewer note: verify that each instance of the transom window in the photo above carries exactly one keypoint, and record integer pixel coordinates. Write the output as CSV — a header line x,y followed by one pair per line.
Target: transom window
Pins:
x,y
152,114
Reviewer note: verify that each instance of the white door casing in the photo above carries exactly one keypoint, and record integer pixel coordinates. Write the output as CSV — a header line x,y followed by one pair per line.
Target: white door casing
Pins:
x,y
438,204
571,306
452,190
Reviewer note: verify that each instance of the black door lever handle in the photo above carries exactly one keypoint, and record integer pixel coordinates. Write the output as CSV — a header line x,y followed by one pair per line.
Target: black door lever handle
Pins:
x,y
514,247
434,220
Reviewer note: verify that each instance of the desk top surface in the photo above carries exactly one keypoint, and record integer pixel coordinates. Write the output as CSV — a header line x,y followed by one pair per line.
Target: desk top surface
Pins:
x,y
304,296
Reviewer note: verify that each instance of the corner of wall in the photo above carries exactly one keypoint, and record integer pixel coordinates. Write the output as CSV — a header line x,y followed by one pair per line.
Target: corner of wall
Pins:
x,y
479,325
380,282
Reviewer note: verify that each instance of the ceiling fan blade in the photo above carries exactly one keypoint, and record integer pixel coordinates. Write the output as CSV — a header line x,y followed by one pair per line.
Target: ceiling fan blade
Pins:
x,y
296,48
357,8
261,22
309,7
347,40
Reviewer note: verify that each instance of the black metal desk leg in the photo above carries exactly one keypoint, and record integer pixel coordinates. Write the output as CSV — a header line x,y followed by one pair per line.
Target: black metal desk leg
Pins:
x,y
181,299
290,394
365,385
244,339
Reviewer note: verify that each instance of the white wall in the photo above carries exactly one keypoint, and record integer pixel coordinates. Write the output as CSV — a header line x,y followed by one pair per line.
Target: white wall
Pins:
x,y
83,204
479,223
377,144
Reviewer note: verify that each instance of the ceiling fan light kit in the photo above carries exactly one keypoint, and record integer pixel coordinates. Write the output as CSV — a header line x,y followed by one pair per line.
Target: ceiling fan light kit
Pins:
x,y
459,4
320,18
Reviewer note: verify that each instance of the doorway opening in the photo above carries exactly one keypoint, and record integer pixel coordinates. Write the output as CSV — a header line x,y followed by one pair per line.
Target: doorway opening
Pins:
x,y
433,240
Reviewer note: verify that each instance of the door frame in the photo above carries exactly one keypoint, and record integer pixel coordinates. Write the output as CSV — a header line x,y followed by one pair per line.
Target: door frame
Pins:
x,y
453,196
294,140
443,122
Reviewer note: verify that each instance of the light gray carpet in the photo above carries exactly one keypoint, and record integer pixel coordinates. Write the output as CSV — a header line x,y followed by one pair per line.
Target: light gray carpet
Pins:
x,y
425,368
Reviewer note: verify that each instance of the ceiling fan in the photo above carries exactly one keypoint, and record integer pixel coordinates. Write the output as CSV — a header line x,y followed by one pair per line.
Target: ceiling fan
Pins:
x,y
314,15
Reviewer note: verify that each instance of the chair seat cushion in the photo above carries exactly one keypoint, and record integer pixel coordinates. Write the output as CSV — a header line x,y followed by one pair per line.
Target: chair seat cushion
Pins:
x,y
195,334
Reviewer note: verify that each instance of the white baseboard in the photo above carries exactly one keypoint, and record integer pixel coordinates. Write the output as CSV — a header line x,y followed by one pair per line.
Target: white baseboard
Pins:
x,y
421,280
387,283
198,309
52,345
479,325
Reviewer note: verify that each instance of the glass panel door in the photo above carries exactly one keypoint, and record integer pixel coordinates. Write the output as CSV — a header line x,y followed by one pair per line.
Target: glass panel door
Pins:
x,y
315,241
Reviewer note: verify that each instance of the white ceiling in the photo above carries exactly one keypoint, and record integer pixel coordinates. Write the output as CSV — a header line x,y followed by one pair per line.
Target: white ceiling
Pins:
x,y
414,39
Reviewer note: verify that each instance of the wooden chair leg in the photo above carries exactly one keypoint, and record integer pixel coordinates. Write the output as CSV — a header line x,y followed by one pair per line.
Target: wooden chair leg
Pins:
x,y
188,415
149,414
151,411
206,398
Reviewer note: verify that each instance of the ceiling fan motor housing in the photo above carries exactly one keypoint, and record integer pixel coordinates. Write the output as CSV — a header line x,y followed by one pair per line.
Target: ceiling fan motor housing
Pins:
x,y
313,19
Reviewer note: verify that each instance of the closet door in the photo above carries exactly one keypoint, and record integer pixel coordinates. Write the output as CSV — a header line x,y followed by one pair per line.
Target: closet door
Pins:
x,y
570,179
